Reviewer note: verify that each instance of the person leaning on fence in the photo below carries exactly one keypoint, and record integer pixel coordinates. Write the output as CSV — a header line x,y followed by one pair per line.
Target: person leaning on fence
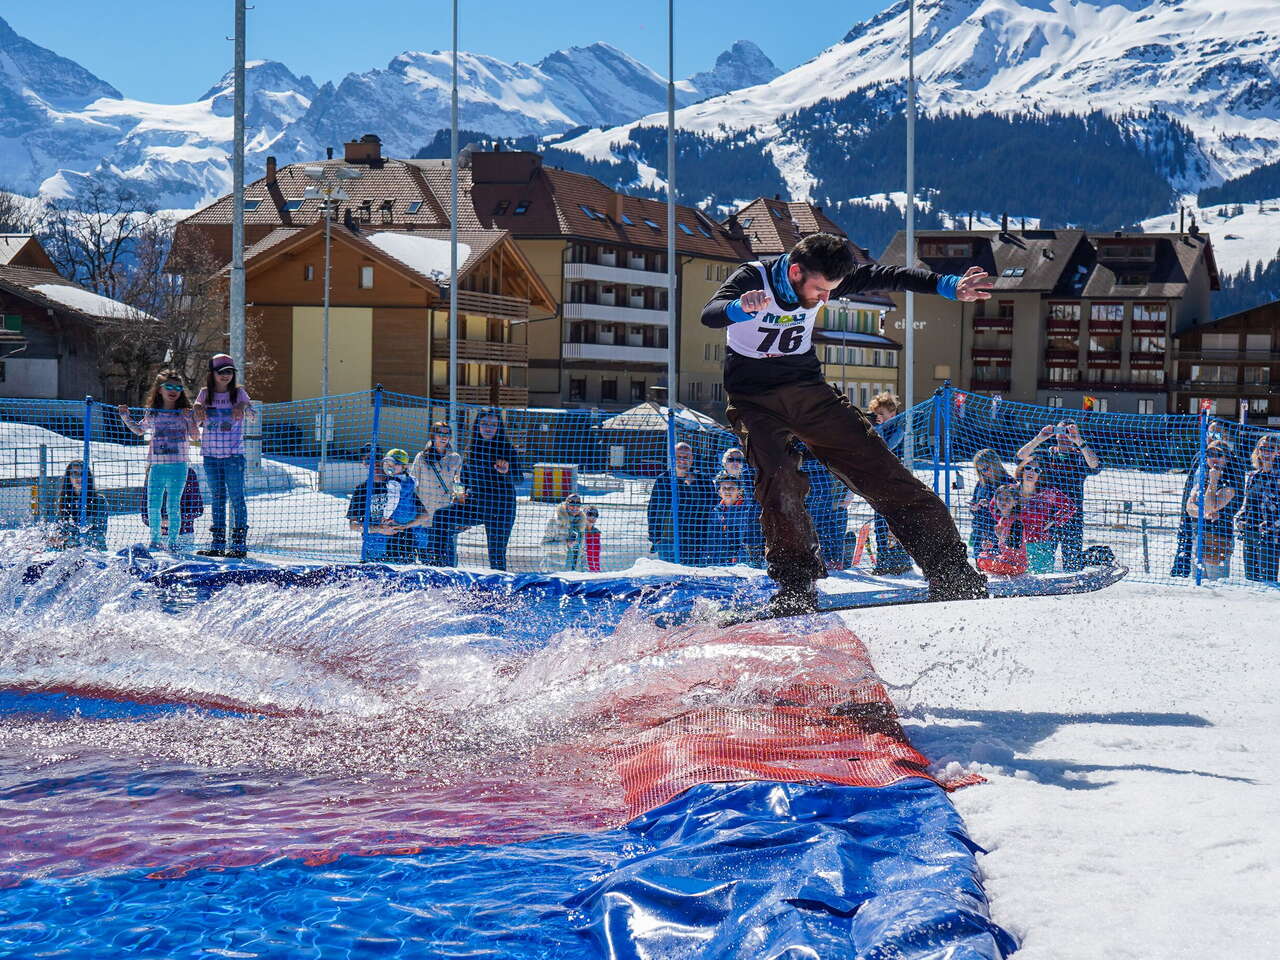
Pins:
x,y
190,506
695,498
1217,482
1187,525
891,558
394,539
220,409
991,474
491,469
1003,552
1066,465
435,471
170,422
776,391
68,531
733,463
1044,511
1259,519
566,530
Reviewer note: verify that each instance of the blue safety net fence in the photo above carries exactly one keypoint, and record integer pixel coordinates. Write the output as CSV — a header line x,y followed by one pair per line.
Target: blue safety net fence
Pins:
x,y
546,490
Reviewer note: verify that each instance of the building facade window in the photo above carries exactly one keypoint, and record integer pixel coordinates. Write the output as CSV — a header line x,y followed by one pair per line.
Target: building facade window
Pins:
x,y
609,389
1146,407
577,388
637,391
366,278
1055,402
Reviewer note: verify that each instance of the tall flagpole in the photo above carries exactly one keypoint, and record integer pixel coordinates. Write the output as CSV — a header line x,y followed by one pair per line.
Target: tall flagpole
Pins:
x,y
236,318
909,453
673,312
453,234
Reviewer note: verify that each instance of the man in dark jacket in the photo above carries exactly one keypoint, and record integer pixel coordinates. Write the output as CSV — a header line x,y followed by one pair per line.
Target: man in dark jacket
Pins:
x,y
774,381
695,500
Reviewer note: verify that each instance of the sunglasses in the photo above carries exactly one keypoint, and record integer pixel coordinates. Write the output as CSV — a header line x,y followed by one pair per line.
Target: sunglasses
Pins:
x,y
1030,469
592,514
170,386
733,460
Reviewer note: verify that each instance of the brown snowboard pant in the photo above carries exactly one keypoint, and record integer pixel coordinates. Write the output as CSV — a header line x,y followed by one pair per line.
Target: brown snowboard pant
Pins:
x,y
843,438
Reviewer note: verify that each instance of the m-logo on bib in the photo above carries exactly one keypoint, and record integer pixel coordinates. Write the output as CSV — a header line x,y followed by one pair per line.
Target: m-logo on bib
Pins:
x,y
769,334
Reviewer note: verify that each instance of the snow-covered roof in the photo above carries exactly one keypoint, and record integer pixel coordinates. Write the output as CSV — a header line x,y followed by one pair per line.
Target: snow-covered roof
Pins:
x,y
427,255
90,303
645,416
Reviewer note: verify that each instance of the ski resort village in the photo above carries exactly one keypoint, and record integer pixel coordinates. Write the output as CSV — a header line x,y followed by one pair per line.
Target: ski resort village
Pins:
x,y
693,481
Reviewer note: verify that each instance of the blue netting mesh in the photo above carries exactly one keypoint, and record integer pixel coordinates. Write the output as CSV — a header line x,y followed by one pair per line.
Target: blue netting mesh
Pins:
x,y
501,492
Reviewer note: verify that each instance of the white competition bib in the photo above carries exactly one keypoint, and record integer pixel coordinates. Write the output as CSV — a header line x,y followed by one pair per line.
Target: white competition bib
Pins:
x,y
770,333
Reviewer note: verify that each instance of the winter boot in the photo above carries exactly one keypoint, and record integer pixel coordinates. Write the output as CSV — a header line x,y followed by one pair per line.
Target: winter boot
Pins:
x,y
962,583
217,544
794,599
237,549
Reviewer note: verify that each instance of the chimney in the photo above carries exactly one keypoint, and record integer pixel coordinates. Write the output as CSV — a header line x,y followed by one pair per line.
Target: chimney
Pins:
x,y
1024,224
1182,220
615,206
271,168
1004,223
1119,233
366,150
970,219
777,196
328,153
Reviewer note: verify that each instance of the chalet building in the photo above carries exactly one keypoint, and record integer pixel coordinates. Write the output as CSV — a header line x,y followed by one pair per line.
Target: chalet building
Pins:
x,y
604,254
48,342
1072,314
389,294
1233,363
856,357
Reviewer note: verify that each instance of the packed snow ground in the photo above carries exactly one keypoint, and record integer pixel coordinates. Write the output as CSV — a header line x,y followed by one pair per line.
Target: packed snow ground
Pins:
x,y
1129,739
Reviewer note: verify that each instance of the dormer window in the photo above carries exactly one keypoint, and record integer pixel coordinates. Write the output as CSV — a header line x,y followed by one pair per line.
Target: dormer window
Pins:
x,y
1013,271
386,209
366,211
292,204
746,222
414,207
684,229
521,208
650,223
777,214
1128,250
251,205
502,207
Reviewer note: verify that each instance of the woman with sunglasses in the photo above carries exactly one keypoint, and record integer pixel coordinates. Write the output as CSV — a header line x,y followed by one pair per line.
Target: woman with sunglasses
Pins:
x,y
991,477
435,472
490,473
1259,522
221,408
170,423
1044,510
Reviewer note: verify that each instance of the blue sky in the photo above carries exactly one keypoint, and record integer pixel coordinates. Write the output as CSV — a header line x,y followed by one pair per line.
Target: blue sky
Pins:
x,y
171,51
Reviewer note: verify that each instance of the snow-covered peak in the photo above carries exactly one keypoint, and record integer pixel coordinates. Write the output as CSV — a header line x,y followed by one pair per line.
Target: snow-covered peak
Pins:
x,y
262,75
30,72
742,65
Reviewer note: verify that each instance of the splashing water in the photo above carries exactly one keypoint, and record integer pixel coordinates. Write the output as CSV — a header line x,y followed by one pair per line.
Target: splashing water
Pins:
x,y
335,719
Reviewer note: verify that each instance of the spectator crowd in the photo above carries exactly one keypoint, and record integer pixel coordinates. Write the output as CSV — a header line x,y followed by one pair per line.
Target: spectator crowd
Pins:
x,y
1026,517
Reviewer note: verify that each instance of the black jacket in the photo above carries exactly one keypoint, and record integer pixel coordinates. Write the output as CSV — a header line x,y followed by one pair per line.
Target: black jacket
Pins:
x,y
747,375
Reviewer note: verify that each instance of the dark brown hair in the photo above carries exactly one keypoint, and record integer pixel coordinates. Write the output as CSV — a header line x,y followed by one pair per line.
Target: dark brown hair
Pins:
x,y
824,253
167,376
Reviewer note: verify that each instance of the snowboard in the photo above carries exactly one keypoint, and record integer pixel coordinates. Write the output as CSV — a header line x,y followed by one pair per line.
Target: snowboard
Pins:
x,y
1088,580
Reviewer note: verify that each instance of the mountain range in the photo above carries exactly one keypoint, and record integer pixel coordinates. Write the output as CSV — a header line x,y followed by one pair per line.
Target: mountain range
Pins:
x,y
1103,112
59,124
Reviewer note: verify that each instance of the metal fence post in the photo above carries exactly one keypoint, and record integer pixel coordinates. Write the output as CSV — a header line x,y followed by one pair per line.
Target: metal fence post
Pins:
x,y
87,433
1204,486
373,466
937,435
671,471
946,441
42,485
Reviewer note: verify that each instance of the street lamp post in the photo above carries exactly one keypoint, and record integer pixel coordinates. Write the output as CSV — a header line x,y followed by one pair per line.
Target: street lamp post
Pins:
x,y
329,192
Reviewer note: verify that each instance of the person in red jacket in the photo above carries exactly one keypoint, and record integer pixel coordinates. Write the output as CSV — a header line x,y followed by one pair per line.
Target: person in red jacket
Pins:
x,y
591,539
1044,510
1004,553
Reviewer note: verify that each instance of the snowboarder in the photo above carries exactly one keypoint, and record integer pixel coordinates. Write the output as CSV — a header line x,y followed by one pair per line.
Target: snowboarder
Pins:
x,y
775,389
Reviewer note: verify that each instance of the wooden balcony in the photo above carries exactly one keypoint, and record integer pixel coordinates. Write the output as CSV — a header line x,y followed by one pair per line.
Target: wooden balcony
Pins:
x,y
487,305
506,396
484,351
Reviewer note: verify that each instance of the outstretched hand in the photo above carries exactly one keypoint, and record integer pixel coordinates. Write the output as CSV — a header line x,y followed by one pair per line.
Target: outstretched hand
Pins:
x,y
974,285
